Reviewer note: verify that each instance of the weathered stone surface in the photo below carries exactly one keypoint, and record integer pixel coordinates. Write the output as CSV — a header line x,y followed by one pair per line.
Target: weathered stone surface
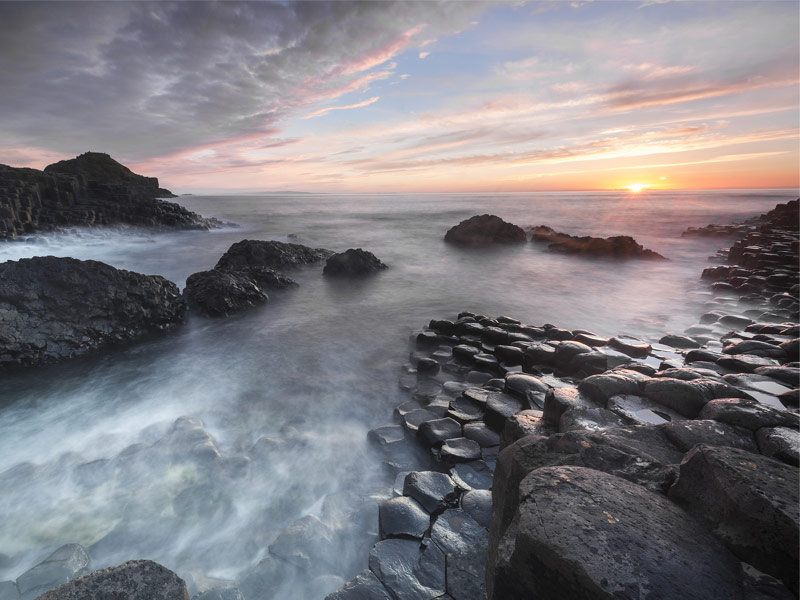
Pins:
x,y
474,475
402,517
574,534
616,247
270,255
613,383
305,543
478,505
57,308
464,541
688,397
386,436
582,418
480,433
559,400
631,346
749,501
781,443
687,434
499,407
641,411
354,262
364,586
90,190
436,431
679,341
66,563
218,293
457,450
749,414
133,580
525,422
434,491
407,571
482,230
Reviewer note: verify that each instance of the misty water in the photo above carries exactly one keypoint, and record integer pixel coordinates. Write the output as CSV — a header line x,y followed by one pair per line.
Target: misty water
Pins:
x,y
89,450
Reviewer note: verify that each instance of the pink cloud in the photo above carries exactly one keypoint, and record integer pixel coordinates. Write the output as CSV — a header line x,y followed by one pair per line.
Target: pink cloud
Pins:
x,y
322,111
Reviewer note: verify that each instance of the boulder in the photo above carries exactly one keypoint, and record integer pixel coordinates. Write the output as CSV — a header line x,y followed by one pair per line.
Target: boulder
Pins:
x,y
402,517
218,293
354,262
781,443
408,570
580,533
482,230
133,580
434,491
463,542
616,247
688,397
750,502
57,308
63,565
687,434
749,414
613,383
270,255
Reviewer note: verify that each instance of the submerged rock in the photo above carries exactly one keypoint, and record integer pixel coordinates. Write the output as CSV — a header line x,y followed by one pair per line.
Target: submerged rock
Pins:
x,y
66,563
57,308
482,230
354,262
616,247
134,580
269,254
218,293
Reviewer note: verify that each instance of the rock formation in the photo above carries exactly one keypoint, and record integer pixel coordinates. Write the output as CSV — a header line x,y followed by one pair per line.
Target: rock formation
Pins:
x,y
482,230
616,247
354,262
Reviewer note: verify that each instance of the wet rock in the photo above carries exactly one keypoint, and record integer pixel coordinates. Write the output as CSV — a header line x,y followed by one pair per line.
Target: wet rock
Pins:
x,y
478,505
749,414
305,543
735,321
436,431
688,397
434,491
613,383
590,339
475,475
386,436
631,346
588,363
617,247
133,580
566,350
354,262
463,541
461,449
219,293
786,374
482,230
66,563
641,411
572,536
526,422
756,348
465,410
499,407
687,434
413,419
582,418
510,355
480,433
679,341
407,570
538,354
270,255
465,353
402,517
53,309
746,363
364,586
559,400
750,502
781,443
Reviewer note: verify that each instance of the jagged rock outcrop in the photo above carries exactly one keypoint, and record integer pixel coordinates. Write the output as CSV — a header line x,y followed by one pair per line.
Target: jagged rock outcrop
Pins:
x,y
615,247
354,262
57,308
245,273
90,190
482,230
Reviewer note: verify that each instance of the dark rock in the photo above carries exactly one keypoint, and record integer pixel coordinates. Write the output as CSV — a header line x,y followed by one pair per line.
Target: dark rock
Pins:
x,y
407,570
539,354
478,505
90,190
465,410
364,586
749,414
529,388
499,407
386,436
687,434
436,431
688,397
631,346
475,475
755,348
750,502
57,308
616,247
465,353
480,433
133,580
219,293
524,423
566,350
573,534
510,355
760,586
63,565
781,443
679,341
482,230
588,363
434,491
582,418
613,383
461,449
746,363
559,400
786,374
270,255
352,263
591,339
402,517
463,541
641,411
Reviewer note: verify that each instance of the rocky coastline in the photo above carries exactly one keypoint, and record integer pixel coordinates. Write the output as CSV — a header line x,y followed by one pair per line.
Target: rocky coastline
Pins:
x,y
529,460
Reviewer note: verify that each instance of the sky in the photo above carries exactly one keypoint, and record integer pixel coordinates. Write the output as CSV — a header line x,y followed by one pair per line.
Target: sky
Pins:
x,y
409,96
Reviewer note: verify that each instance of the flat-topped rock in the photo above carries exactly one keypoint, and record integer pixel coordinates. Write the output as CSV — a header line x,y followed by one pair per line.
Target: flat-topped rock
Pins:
x,y
615,247
483,230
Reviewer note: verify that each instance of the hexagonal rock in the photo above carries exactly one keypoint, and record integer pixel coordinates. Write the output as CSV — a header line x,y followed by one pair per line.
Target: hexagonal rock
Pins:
x,y
386,436
478,505
641,411
407,571
436,431
364,586
688,397
687,434
613,383
580,533
559,400
66,563
499,407
781,443
748,413
749,501
458,450
525,422
403,517
463,541
631,346
433,490
133,580
465,410
480,433
582,418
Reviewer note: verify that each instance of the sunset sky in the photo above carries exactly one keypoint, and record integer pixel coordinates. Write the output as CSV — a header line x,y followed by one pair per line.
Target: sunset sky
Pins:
x,y
430,96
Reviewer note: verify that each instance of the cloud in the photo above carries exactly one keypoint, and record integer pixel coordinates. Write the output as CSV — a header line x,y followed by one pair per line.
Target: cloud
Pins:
x,y
138,79
424,54
322,111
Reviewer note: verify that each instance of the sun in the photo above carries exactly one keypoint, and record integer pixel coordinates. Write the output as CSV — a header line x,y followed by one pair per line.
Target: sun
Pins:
x,y
637,187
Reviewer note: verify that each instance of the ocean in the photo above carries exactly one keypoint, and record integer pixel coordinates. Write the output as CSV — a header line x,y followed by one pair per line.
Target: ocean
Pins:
x,y
301,380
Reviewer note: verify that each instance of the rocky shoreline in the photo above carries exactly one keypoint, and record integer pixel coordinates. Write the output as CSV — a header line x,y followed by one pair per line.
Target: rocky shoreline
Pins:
x,y
530,459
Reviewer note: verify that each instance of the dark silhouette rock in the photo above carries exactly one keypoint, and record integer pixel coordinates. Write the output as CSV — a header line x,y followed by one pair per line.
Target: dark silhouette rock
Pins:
x,y
403,517
133,580
750,502
57,308
218,293
269,254
354,262
616,247
482,230
90,190
580,533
